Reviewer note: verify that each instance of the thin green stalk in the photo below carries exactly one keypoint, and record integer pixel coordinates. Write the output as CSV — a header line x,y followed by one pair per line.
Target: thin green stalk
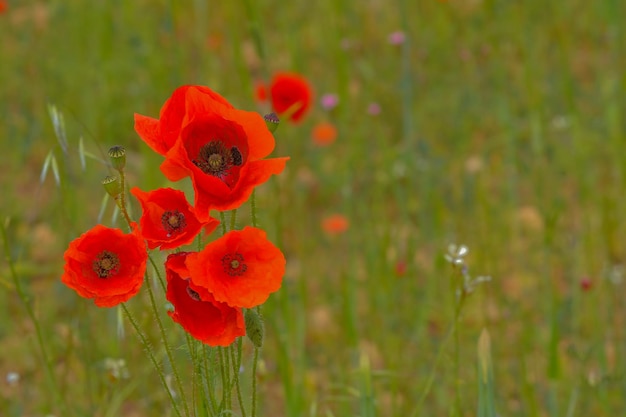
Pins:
x,y
233,219
448,336
255,362
158,274
168,349
224,373
223,222
236,359
256,33
121,198
253,209
59,398
148,348
209,381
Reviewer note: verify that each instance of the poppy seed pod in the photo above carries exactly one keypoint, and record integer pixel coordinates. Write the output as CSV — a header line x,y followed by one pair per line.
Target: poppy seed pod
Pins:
x,y
272,121
112,186
117,155
254,327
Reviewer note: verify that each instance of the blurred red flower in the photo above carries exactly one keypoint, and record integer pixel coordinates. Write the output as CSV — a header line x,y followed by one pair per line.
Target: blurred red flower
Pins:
x,y
3,6
260,91
291,95
241,268
221,148
211,322
105,264
168,221
335,224
586,284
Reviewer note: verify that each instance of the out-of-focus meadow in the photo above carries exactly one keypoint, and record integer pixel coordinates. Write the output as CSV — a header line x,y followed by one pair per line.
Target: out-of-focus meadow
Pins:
x,y
494,124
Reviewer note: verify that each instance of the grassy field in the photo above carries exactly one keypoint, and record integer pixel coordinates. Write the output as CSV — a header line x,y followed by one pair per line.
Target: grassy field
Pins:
x,y
501,127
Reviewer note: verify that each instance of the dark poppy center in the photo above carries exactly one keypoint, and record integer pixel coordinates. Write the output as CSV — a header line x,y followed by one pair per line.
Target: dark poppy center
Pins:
x,y
173,222
106,264
215,158
234,264
193,294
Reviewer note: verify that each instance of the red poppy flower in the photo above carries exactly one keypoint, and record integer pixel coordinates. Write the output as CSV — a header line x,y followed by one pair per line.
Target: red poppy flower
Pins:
x,y
219,147
168,221
185,103
211,322
241,268
291,95
105,264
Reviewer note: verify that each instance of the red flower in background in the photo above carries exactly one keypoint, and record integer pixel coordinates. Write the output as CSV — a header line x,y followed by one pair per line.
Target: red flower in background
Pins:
x,y
241,268
105,264
168,221
291,95
211,322
221,148
335,224
3,6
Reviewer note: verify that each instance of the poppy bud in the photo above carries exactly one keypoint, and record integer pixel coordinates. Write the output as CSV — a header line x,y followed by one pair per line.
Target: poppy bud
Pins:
x,y
112,186
254,327
272,121
117,154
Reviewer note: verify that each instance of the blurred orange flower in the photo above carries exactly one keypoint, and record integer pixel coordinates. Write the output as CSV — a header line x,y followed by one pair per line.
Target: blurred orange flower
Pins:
x,y
105,264
241,268
3,6
291,95
335,224
324,133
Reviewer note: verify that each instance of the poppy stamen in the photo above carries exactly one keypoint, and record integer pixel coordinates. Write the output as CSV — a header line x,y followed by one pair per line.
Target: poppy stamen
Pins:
x,y
173,222
106,264
215,159
234,264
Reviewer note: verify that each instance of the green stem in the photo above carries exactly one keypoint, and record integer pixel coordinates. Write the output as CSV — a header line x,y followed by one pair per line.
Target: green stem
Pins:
x,y
233,219
255,362
209,381
59,398
223,222
431,377
236,359
255,32
168,349
224,373
158,274
253,208
121,202
146,345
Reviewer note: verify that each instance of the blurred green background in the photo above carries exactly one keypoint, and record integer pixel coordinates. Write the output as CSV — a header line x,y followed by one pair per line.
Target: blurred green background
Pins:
x,y
501,127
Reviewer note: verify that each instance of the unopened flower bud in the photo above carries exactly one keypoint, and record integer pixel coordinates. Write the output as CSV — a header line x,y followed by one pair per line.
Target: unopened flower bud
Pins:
x,y
117,155
272,121
112,186
254,327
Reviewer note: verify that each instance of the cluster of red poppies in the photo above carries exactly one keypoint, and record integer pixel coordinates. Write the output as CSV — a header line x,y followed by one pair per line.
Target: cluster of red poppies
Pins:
x,y
222,150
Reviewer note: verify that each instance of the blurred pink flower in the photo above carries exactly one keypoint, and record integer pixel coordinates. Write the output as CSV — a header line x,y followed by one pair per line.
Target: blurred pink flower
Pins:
x,y
373,109
329,101
396,38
